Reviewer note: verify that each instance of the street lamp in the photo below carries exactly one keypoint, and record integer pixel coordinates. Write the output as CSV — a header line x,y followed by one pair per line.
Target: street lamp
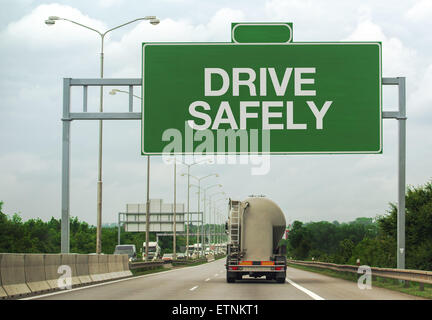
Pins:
x,y
205,208
115,91
50,22
217,213
214,207
188,191
199,194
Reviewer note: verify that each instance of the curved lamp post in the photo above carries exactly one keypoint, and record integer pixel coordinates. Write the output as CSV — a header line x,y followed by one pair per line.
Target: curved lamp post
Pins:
x,y
50,22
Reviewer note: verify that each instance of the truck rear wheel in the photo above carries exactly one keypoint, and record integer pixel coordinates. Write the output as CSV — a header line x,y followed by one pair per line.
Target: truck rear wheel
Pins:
x,y
230,277
281,278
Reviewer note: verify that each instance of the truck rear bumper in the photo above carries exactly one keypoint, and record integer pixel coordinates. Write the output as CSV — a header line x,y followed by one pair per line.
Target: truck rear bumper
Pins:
x,y
256,269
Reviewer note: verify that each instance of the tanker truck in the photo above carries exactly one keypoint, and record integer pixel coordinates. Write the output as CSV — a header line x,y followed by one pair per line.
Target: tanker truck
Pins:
x,y
255,227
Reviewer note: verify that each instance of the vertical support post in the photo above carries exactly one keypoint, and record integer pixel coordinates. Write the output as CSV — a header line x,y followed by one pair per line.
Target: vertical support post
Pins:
x,y
85,90
401,175
204,239
188,212
174,212
147,209
118,229
99,181
130,98
198,226
65,201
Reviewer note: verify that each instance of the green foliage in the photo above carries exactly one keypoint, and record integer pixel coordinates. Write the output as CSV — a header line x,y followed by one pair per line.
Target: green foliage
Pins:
x,y
373,241
418,227
36,236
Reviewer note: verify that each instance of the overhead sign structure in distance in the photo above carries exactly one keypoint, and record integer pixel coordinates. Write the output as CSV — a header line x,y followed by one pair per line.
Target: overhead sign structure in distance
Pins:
x,y
278,98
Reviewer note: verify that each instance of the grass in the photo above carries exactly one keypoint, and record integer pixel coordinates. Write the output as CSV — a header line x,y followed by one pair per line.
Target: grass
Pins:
x,y
413,288
140,272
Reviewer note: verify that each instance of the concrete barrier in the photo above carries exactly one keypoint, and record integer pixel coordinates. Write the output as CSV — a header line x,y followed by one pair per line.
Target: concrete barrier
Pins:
x,y
70,260
82,268
3,293
34,267
93,263
13,274
103,267
52,263
126,271
119,262
113,267
26,273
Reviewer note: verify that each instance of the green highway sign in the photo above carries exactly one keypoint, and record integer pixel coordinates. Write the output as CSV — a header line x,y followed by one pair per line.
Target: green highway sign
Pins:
x,y
239,98
260,32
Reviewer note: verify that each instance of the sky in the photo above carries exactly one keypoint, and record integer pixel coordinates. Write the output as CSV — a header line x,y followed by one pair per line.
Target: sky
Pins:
x,y
36,57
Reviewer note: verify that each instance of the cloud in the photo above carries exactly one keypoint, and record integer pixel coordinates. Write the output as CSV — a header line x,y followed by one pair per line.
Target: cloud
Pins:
x,y
32,32
110,3
420,99
126,53
421,11
397,59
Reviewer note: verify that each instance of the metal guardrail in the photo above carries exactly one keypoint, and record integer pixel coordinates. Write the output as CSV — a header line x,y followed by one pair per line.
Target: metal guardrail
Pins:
x,y
398,274
160,263
145,264
187,261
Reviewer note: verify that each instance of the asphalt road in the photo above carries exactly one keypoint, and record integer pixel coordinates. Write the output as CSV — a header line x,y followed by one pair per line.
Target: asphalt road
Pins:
x,y
208,282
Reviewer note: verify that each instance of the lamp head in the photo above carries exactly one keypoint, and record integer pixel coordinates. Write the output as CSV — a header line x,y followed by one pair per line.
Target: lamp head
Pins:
x,y
53,18
154,21
49,22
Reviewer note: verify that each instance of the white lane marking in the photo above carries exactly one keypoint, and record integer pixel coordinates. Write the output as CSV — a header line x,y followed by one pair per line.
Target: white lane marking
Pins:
x,y
216,275
308,292
208,279
192,289
114,281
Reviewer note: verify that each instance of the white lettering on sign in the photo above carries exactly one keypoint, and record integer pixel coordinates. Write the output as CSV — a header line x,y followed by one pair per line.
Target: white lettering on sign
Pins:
x,y
241,81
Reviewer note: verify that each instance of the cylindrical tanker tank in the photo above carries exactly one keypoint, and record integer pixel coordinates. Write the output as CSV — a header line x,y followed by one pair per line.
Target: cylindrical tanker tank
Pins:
x,y
256,225
263,225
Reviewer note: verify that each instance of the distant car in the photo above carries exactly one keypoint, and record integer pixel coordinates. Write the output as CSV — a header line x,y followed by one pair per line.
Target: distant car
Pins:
x,y
167,257
128,249
181,256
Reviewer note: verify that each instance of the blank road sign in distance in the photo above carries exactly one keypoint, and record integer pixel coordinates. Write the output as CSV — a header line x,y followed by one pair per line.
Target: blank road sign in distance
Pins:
x,y
306,97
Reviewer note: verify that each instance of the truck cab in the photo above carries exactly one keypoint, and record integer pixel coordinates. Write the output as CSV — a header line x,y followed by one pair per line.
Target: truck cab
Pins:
x,y
154,251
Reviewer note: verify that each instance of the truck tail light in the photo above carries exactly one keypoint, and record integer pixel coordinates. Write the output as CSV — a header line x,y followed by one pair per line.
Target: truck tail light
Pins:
x,y
233,268
278,268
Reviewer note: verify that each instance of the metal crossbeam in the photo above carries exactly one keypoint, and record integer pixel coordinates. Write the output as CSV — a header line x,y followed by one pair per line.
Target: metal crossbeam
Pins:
x,y
68,117
104,116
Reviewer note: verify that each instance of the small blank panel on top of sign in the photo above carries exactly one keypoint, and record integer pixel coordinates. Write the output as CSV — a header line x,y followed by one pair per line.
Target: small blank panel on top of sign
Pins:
x,y
262,32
